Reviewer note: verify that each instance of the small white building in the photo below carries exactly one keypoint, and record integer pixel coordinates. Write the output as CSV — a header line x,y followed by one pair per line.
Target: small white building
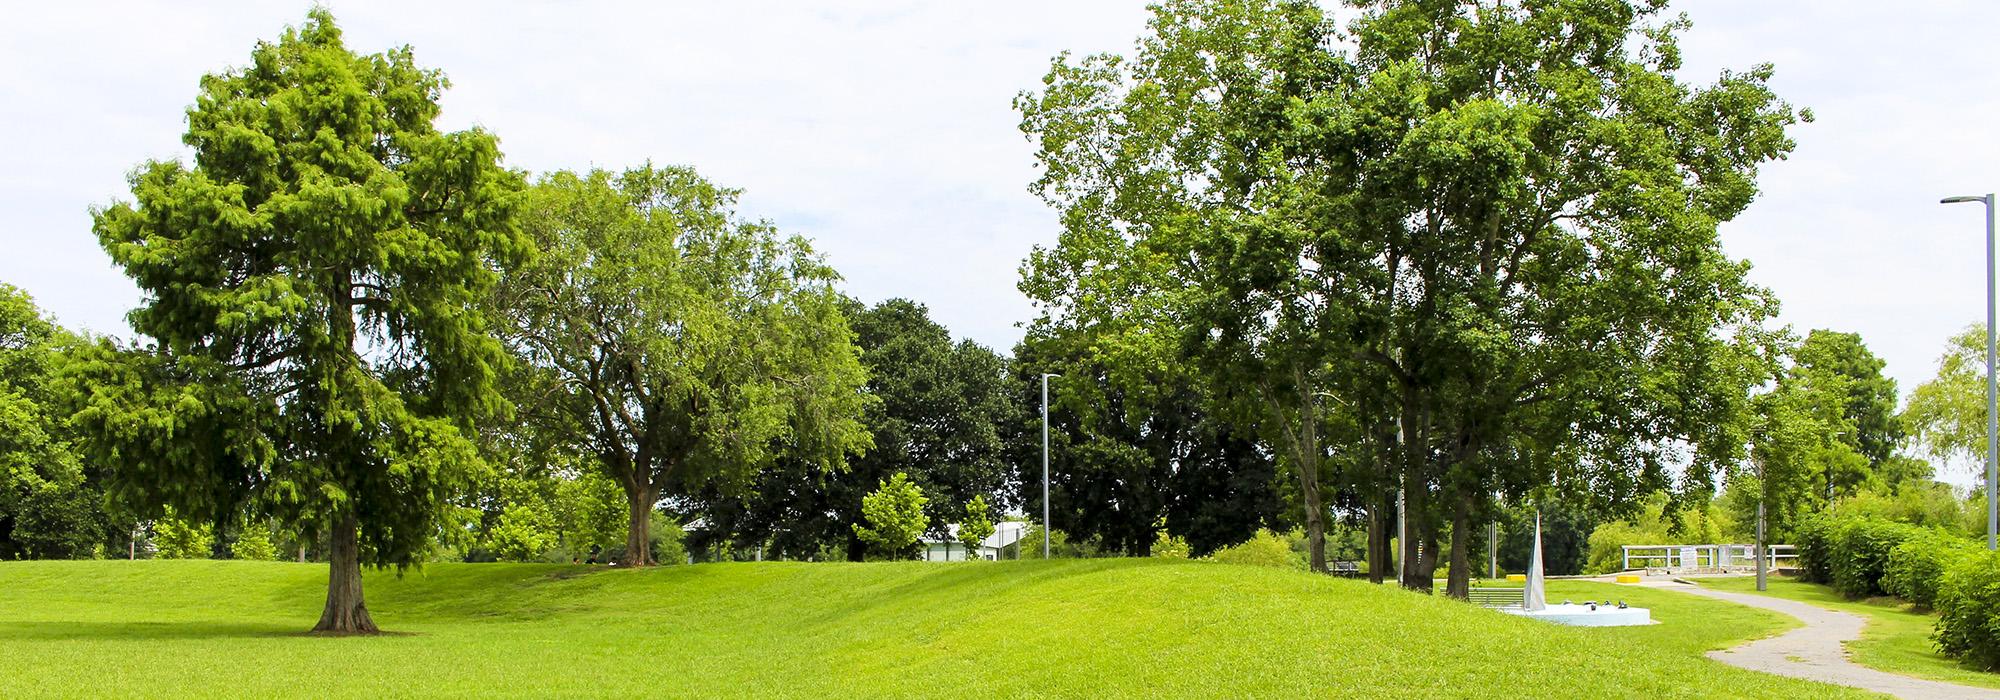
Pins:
x,y
996,546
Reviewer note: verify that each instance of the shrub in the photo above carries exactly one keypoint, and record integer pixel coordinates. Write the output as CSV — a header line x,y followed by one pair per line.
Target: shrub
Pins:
x,y
1860,551
1968,605
254,543
1917,566
175,538
895,515
1815,543
1267,548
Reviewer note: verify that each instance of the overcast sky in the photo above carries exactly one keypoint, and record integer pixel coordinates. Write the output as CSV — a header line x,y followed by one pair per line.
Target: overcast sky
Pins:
x,y
884,131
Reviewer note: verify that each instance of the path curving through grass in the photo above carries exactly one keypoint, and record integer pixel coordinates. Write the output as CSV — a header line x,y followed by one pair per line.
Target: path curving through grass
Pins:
x,y
1816,651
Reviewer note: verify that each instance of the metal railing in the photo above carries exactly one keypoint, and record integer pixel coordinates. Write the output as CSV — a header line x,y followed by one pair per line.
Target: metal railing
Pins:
x,y
1705,556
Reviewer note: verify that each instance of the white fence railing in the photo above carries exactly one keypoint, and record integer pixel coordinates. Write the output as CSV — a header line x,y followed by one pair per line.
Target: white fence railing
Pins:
x,y
1705,556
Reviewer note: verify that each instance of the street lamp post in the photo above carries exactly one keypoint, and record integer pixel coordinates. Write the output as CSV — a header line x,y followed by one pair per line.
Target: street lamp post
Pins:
x,y
1045,462
1992,394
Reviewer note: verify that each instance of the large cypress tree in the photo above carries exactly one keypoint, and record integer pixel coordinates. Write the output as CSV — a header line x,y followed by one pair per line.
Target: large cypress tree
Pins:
x,y
310,283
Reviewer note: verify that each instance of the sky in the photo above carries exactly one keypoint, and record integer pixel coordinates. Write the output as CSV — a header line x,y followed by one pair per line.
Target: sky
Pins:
x,y
885,132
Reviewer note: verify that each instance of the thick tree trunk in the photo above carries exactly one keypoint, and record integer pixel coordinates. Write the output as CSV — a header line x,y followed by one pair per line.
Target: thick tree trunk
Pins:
x,y
639,533
857,550
345,612
1416,570
1458,583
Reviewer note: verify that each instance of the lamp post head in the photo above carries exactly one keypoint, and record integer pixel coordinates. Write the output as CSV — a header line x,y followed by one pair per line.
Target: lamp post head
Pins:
x,y
1966,198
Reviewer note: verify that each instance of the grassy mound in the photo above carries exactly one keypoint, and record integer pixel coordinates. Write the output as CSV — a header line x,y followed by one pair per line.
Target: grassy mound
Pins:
x,y
1061,628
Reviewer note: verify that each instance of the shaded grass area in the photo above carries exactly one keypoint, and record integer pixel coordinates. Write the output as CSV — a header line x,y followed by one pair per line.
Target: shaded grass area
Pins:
x,y
1091,628
1897,639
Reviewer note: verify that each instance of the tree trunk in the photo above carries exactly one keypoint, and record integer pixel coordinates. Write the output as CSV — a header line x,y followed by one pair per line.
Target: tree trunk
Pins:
x,y
1458,583
345,612
1416,574
1377,545
1315,518
639,533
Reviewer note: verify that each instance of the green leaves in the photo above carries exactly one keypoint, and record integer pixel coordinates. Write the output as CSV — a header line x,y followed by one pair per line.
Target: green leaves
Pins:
x,y
679,344
311,281
1492,224
895,516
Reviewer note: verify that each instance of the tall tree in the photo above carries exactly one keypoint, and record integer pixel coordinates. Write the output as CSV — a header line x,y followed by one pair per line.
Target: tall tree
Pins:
x,y
1870,401
1491,227
691,347
311,295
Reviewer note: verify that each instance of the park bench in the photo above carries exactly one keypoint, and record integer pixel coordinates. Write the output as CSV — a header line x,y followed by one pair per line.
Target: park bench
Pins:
x,y
1346,568
1498,597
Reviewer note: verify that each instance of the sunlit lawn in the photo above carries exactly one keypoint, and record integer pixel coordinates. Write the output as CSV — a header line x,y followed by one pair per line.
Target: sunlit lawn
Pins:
x,y
1097,628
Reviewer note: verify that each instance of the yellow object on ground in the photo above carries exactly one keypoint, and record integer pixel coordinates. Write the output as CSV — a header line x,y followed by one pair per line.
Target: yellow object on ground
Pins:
x,y
1628,579
1517,577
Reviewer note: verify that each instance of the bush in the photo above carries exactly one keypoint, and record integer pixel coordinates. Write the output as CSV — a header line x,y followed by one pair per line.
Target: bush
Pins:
x,y
175,538
1267,548
254,543
1968,605
1917,566
1860,552
1815,543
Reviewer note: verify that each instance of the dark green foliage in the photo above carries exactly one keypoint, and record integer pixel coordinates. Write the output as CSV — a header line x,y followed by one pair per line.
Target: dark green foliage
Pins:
x,y
1815,541
1968,605
1918,565
1136,450
1565,540
1860,554
943,414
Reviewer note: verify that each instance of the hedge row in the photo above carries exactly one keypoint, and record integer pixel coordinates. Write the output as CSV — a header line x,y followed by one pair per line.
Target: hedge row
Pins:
x,y
1851,554
1928,567
1916,568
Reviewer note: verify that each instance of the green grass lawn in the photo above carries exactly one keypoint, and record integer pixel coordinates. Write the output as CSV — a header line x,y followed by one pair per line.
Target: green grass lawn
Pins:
x,y
1009,629
1897,639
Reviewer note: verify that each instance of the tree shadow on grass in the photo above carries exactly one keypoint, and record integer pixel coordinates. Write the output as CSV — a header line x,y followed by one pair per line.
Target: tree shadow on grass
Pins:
x,y
56,631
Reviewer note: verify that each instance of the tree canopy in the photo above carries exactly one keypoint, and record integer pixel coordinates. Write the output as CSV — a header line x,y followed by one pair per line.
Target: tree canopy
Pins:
x,y
1476,252
315,343
679,345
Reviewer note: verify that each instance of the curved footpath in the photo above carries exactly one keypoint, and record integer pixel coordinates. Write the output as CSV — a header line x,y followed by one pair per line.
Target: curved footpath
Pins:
x,y
1815,652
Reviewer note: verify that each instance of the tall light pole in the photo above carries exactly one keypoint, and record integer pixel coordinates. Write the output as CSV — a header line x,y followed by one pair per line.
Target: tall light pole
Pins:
x,y
1045,462
1992,418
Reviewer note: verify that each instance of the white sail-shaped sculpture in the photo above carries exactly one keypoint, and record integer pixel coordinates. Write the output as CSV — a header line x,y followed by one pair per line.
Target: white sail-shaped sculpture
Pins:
x,y
1533,598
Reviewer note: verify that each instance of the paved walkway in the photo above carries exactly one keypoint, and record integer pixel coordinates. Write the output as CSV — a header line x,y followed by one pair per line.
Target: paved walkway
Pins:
x,y
1814,652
